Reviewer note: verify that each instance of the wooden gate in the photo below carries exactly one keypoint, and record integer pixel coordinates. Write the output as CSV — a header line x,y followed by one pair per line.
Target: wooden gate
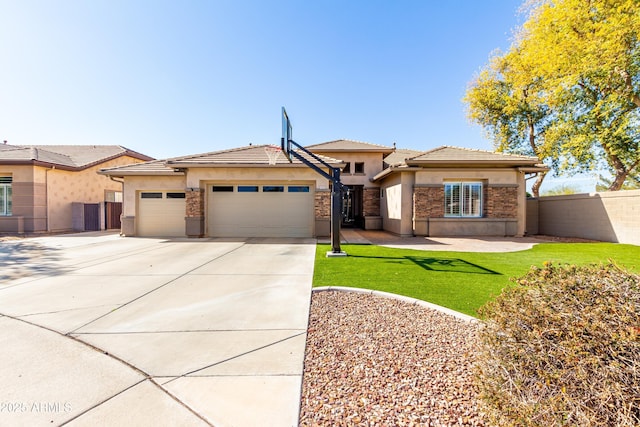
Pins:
x,y
92,216
112,212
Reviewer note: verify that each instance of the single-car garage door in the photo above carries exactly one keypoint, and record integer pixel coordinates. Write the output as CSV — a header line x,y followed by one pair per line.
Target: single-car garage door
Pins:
x,y
161,213
248,210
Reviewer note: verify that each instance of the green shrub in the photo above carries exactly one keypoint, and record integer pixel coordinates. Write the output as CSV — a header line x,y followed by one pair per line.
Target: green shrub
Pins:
x,y
562,347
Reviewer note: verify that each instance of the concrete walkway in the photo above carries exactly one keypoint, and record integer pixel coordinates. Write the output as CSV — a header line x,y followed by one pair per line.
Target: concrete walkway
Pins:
x,y
453,244
102,330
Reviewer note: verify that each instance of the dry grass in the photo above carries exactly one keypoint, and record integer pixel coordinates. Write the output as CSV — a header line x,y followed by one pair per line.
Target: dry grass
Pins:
x,y
563,348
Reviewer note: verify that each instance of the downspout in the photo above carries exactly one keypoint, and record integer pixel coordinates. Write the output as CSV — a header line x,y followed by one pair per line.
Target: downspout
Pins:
x,y
46,189
121,182
122,188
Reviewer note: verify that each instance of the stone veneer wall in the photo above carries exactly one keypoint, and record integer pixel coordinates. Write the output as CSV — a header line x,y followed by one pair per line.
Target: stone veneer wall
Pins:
x,y
428,202
322,210
500,213
194,220
501,201
194,202
371,202
322,204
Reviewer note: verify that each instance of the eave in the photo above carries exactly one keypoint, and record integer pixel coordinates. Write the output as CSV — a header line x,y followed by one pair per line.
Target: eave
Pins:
x,y
468,163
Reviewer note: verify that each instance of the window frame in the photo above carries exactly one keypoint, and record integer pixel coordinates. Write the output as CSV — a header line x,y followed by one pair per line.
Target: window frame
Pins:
x,y
151,195
273,188
6,188
466,190
298,189
248,189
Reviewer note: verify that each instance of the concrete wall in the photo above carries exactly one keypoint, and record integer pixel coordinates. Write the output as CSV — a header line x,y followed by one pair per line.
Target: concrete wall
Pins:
x,y
608,216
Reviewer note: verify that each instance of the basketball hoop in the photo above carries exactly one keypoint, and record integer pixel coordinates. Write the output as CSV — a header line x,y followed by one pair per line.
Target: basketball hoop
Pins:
x,y
273,152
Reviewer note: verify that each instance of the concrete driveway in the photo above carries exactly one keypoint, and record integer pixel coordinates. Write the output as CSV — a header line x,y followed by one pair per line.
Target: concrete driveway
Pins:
x,y
102,330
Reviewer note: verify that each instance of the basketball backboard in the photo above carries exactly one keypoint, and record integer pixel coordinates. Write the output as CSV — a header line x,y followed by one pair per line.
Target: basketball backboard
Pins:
x,y
287,135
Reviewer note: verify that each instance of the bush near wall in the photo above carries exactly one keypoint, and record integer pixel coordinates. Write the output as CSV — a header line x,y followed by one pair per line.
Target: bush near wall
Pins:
x,y
562,348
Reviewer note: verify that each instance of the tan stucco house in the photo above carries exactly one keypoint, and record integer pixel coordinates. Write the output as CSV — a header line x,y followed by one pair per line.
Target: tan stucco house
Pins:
x,y
237,193
45,188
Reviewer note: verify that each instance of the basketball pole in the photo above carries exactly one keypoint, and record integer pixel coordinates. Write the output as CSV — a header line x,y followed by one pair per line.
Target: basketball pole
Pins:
x,y
336,209
286,142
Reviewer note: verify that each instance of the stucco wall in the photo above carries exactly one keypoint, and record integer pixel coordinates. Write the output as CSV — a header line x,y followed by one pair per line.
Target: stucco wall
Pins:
x,y
390,204
197,177
372,166
492,176
85,186
133,184
608,216
28,199
43,196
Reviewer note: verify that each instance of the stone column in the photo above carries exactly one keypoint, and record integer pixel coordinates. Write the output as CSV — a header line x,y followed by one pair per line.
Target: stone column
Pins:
x,y
371,209
194,219
322,209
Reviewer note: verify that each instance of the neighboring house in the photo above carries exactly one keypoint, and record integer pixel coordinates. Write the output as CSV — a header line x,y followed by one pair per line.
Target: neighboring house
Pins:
x,y
55,188
236,193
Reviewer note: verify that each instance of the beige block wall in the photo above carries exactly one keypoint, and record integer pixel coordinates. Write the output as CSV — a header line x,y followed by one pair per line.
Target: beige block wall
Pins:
x,y
608,216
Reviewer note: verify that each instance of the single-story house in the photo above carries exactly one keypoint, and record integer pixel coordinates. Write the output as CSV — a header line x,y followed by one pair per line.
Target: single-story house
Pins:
x,y
45,188
237,193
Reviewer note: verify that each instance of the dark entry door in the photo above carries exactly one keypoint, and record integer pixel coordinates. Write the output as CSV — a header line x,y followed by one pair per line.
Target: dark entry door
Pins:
x,y
113,210
92,216
352,206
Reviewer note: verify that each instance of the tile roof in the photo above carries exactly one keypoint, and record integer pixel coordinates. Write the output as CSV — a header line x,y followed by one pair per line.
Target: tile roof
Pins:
x,y
154,167
447,156
400,155
252,155
65,156
457,155
249,156
348,145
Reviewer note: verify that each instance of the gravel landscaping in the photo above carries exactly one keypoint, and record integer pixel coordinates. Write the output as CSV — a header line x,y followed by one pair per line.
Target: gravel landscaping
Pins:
x,y
377,361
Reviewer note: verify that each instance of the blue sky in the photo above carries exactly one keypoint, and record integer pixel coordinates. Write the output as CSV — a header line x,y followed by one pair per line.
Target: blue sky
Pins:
x,y
170,78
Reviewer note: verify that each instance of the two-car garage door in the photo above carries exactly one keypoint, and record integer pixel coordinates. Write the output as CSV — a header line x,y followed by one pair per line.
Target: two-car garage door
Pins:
x,y
257,210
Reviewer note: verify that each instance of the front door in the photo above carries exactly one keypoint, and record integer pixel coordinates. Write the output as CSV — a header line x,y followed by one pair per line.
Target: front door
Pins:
x,y
352,207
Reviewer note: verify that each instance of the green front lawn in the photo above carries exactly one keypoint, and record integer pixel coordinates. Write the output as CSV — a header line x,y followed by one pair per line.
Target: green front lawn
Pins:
x,y
462,281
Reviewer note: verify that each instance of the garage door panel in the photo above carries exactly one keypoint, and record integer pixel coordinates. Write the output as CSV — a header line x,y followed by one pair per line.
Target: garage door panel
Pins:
x,y
260,214
161,216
